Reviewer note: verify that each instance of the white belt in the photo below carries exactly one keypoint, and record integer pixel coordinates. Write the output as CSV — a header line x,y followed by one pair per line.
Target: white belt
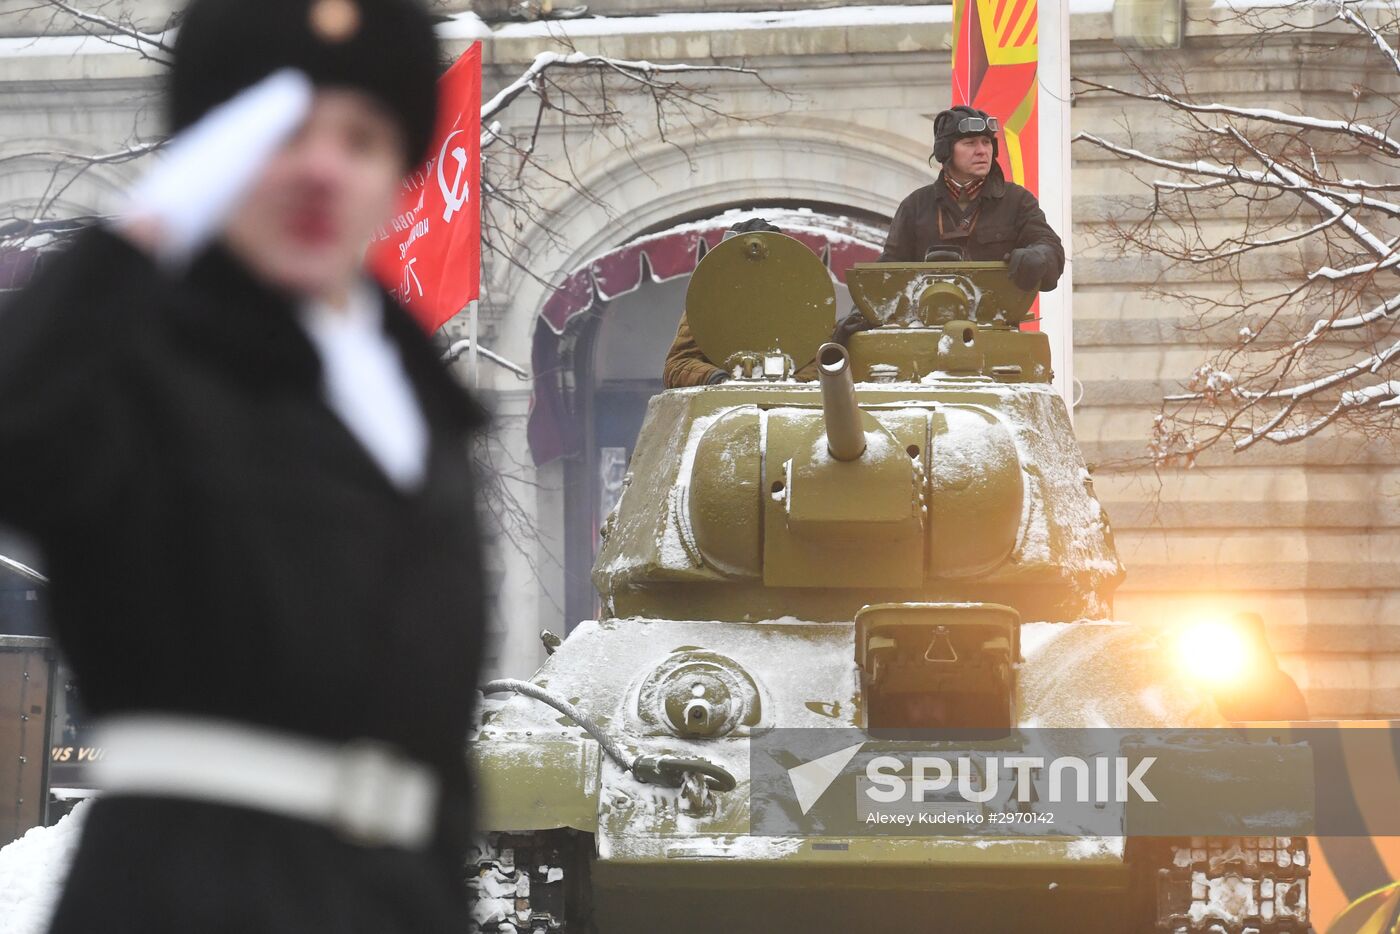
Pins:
x,y
363,789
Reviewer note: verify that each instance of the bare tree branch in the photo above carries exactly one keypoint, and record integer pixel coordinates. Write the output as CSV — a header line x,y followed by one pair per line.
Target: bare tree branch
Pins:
x,y
114,30
1236,174
1298,255
643,73
1380,139
63,156
1346,13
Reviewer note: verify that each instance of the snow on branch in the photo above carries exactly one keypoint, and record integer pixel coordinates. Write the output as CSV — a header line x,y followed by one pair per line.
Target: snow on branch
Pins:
x,y
1348,15
641,72
114,30
1384,310
463,347
1325,200
572,88
23,570
1234,173
1370,134
1284,259
1381,395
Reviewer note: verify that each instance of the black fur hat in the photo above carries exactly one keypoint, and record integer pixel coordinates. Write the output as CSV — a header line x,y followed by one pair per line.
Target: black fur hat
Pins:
x,y
385,48
945,131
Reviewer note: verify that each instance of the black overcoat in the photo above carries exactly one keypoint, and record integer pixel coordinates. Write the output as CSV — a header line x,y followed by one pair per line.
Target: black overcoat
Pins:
x,y
220,544
1009,217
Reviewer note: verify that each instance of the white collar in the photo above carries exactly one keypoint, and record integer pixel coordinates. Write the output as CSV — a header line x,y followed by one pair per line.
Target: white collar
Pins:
x,y
363,311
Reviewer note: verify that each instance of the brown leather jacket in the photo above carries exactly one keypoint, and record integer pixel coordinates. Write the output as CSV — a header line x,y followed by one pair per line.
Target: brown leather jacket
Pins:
x,y
685,364
1009,218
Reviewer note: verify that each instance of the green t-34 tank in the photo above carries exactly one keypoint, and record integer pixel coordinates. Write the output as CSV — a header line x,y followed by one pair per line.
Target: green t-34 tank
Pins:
x,y
910,540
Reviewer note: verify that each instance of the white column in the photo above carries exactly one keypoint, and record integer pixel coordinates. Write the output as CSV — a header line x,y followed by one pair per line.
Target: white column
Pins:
x,y
1056,308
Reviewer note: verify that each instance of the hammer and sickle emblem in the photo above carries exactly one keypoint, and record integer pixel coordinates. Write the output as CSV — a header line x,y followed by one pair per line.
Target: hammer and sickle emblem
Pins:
x,y
456,195
410,278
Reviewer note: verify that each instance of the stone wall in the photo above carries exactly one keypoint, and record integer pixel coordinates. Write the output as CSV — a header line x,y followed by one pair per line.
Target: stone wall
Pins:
x,y
1306,534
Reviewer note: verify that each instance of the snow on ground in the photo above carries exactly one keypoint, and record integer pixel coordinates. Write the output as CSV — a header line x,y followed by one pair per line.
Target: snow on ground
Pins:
x,y
32,870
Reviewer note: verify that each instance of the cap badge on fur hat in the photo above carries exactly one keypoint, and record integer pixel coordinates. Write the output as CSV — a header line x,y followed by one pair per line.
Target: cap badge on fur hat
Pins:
x,y
335,21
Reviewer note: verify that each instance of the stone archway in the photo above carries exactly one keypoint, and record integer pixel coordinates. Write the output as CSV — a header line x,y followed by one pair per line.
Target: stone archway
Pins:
x,y
564,336
600,346
797,162
791,163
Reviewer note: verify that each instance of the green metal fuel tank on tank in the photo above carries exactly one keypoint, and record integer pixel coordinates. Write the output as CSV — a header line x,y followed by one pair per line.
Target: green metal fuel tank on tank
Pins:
x,y
810,544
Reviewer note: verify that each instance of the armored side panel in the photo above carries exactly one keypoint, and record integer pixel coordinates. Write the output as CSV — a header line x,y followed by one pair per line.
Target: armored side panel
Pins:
x,y
26,699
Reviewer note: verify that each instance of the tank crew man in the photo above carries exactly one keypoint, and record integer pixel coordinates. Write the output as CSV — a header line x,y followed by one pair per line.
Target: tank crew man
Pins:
x,y
250,477
973,210
686,365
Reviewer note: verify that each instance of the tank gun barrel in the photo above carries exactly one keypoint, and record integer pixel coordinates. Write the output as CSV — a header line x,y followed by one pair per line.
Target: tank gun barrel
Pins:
x,y
845,437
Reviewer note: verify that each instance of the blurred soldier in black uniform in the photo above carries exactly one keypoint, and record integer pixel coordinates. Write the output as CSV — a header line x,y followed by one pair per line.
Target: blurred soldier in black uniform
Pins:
x,y
250,477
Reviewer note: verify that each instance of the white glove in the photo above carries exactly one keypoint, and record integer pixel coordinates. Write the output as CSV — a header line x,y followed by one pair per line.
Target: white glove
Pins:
x,y
183,202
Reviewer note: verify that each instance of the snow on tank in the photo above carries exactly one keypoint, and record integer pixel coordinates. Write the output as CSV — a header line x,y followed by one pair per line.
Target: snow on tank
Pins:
x,y
910,540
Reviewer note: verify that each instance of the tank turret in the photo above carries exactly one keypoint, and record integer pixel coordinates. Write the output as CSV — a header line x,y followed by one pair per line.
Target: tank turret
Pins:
x,y
897,533
933,460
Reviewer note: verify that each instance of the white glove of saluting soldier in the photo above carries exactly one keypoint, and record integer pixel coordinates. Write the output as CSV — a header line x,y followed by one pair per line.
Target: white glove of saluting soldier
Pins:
x,y
182,203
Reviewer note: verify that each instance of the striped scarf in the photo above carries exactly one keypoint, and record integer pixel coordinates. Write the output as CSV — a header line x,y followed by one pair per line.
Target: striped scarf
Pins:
x,y
964,191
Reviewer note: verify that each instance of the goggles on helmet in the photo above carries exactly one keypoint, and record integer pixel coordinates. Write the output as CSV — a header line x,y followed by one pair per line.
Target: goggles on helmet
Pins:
x,y
978,125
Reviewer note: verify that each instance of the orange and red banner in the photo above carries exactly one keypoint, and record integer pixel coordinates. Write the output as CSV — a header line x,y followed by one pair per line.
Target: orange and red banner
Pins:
x,y
995,57
429,255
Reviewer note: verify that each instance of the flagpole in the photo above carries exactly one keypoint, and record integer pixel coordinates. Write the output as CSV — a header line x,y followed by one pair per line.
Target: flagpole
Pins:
x,y
1056,169
473,332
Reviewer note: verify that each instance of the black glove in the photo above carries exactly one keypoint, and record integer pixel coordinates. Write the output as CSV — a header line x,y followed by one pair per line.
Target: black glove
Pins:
x,y
851,324
718,376
1032,267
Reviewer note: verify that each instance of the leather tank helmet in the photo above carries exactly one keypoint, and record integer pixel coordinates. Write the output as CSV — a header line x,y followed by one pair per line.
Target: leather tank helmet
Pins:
x,y
962,122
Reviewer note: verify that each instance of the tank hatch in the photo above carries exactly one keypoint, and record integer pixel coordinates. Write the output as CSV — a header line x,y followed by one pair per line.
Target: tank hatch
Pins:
x,y
760,305
938,665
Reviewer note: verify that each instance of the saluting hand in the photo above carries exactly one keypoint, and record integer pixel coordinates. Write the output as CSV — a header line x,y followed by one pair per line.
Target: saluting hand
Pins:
x,y
183,202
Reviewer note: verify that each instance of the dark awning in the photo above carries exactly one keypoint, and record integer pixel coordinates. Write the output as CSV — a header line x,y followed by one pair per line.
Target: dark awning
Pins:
x,y
554,426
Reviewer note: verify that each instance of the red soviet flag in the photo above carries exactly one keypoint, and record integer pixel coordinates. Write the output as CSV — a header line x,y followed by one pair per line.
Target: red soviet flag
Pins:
x,y
429,255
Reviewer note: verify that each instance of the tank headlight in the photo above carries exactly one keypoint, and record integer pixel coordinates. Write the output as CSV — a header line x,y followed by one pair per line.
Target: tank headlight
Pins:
x,y
1215,651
